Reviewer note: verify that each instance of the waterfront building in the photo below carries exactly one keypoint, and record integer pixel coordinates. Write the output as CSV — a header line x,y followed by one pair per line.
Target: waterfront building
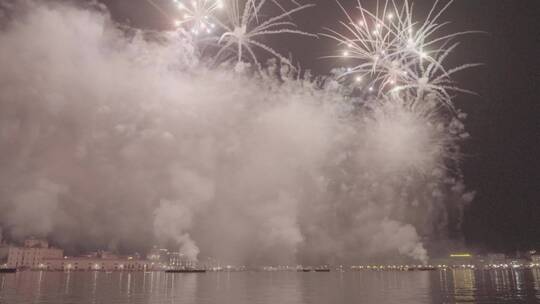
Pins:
x,y
496,258
34,252
461,259
97,264
4,249
159,255
169,259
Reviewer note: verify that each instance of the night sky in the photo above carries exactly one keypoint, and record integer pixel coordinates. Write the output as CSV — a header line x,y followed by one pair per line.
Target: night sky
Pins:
x,y
501,158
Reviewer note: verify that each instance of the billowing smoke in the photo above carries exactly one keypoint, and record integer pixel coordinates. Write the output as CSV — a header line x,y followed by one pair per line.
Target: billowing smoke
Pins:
x,y
123,140
170,221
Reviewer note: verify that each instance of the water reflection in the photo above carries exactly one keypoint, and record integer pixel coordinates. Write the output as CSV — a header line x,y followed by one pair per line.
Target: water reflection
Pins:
x,y
66,284
493,286
536,282
367,287
451,286
464,285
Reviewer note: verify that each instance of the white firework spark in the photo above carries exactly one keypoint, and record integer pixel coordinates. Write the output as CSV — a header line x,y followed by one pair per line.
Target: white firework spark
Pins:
x,y
197,16
397,55
244,29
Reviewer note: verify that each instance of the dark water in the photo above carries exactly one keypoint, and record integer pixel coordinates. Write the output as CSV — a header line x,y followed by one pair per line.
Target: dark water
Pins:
x,y
453,286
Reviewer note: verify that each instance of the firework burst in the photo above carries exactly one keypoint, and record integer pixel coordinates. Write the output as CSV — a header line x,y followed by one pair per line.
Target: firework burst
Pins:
x,y
197,16
396,56
245,28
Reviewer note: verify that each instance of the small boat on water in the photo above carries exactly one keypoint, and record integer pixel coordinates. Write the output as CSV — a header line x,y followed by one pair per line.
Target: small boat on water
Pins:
x,y
7,270
426,268
322,270
186,270
316,269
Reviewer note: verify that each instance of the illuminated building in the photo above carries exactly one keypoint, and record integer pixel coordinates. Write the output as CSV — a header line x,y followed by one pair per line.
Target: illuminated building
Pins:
x,y
34,252
98,264
496,258
461,255
169,259
159,255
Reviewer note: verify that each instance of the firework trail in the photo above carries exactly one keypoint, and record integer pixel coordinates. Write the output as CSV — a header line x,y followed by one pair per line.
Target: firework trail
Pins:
x,y
244,29
241,30
397,56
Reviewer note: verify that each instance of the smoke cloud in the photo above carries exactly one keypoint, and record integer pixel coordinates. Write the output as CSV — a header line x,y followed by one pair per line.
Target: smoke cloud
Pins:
x,y
121,139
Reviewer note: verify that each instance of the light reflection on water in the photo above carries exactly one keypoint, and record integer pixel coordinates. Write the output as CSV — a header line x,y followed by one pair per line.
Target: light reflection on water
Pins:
x,y
450,286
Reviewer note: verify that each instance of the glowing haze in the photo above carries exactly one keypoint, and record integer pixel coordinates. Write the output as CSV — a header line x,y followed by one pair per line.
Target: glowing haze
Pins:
x,y
121,140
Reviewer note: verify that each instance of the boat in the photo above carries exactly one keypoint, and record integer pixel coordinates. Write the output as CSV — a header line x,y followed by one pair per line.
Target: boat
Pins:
x,y
322,270
426,268
304,269
8,270
186,270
